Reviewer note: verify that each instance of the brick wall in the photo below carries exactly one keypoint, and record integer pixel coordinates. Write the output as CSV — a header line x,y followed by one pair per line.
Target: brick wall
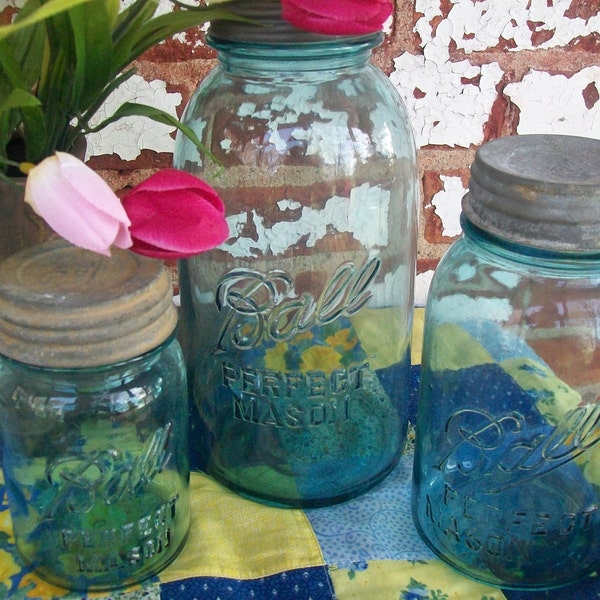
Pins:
x,y
468,70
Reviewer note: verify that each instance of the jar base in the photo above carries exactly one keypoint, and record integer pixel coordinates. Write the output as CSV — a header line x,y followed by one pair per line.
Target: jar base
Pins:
x,y
304,503
108,587
491,581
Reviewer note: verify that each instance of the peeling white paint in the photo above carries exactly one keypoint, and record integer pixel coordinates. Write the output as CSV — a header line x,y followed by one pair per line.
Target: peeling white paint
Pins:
x,y
289,205
364,214
450,102
391,289
422,285
128,136
446,111
387,26
447,203
555,103
460,307
482,25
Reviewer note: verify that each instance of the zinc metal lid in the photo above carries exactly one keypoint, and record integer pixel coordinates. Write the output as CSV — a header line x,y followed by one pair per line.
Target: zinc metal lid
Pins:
x,y
64,307
539,190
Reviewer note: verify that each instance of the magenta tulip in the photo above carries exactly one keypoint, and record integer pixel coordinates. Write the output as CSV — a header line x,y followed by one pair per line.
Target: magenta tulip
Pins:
x,y
343,17
175,215
77,204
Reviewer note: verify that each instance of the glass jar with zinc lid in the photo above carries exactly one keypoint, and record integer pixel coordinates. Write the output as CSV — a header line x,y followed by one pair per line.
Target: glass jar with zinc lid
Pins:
x,y
507,460
94,415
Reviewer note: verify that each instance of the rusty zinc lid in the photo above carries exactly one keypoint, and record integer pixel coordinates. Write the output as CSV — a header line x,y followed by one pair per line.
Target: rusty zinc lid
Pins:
x,y
538,190
64,307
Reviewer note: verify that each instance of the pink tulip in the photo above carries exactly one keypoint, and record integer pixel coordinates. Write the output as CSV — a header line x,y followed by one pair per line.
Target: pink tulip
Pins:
x,y
175,215
342,17
77,204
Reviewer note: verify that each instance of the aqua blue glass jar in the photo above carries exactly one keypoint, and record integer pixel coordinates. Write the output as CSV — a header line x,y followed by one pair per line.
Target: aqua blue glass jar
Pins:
x,y
93,403
506,475
297,329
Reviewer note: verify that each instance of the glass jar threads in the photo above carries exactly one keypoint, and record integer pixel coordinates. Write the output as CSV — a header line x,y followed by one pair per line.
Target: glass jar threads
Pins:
x,y
506,479
94,415
297,329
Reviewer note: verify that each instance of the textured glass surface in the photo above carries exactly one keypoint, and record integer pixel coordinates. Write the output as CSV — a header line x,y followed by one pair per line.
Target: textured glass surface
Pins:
x,y
96,467
506,479
297,329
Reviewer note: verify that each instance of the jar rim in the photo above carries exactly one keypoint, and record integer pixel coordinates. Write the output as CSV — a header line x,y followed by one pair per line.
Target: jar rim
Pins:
x,y
265,26
126,362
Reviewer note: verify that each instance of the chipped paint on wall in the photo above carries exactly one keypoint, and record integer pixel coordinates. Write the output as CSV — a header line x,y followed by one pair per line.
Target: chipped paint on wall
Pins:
x,y
447,203
422,284
129,136
558,104
353,215
512,24
447,102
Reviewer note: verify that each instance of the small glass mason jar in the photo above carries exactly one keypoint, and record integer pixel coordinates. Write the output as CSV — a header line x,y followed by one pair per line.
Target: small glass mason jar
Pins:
x,y
507,460
93,398
297,329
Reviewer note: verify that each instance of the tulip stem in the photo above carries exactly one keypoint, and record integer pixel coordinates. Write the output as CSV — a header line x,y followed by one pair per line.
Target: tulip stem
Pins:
x,y
24,167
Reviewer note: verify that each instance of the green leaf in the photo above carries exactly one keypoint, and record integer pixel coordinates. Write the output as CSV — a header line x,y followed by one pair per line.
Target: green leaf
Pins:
x,y
19,98
27,46
133,17
46,10
93,52
10,68
34,127
136,41
112,8
130,109
54,92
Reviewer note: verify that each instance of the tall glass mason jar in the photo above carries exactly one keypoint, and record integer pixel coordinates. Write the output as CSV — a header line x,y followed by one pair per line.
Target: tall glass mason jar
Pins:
x,y
297,329
93,400
507,461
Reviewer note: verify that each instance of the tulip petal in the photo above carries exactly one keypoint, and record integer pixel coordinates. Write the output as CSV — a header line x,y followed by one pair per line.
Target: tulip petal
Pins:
x,y
173,179
343,17
175,215
77,204
89,184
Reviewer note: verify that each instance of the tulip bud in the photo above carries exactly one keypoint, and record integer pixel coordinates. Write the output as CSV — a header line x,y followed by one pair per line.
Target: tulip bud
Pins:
x,y
77,204
343,17
175,215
